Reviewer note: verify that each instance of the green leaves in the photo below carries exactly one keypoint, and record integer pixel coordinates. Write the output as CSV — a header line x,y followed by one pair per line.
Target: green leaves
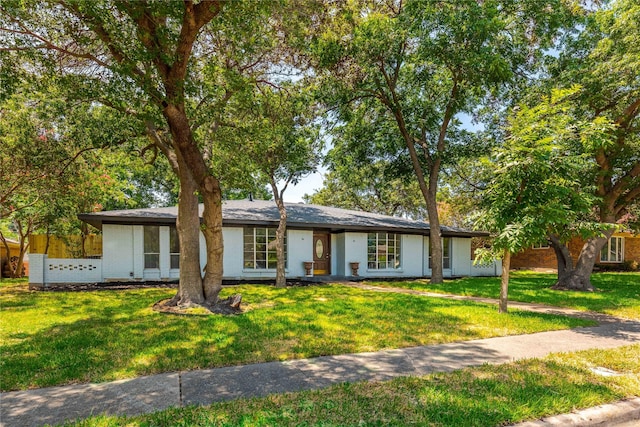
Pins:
x,y
537,187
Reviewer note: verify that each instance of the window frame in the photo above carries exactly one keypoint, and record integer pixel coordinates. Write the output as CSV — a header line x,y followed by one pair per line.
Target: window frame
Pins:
x,y
619,250
147,251
251,239
174,238
392,253
447,243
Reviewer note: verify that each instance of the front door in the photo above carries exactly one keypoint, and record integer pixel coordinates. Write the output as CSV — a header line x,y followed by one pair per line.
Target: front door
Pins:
x,y
321,254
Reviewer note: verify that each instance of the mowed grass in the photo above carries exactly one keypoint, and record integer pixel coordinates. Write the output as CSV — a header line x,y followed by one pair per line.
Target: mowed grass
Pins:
x,y
618,294
484,396
54,338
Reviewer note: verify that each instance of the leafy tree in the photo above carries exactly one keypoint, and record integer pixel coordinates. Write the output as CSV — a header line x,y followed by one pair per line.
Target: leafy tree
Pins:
x,y
536,188
281,144
418,65
370,188
51,170
163,63
604,59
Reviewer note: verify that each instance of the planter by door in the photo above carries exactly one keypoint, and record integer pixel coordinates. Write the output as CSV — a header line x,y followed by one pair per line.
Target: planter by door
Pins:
x,y
321,254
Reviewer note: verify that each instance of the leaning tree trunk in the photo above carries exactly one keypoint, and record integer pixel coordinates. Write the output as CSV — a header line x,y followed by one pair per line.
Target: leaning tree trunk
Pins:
x,y
579,278
504,282
563,256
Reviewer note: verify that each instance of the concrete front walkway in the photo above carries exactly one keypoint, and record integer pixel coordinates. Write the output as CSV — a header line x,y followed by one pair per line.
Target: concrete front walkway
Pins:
x,y
152,393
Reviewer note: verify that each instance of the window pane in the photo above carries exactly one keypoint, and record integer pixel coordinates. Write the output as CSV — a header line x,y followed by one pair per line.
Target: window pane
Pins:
x,y
604,253
175,261
152,261
174,242
151,239
446,246
260,248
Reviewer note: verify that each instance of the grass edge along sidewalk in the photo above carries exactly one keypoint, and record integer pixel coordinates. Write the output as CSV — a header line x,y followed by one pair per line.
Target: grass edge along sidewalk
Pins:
x,y
489,395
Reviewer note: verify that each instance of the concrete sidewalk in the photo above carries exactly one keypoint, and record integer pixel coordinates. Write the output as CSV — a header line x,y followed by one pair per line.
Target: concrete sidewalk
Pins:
x,y
147,394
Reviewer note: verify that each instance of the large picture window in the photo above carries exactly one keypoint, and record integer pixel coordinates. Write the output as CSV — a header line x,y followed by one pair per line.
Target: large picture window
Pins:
x,y
383,251
613,250
446,253
174,248
151,246
260,248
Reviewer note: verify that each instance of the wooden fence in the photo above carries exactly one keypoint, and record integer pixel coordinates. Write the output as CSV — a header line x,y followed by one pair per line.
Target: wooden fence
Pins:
x,y
66,247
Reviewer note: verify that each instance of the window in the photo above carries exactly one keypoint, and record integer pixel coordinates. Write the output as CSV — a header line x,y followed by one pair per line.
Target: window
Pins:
x,y
446,253
260,248
174,248
613,250
383,251
541,245
151,246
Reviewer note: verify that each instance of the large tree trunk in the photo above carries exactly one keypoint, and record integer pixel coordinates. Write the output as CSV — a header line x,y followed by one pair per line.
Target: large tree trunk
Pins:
x,y
212,230
191,162
190,291
579,278
504,282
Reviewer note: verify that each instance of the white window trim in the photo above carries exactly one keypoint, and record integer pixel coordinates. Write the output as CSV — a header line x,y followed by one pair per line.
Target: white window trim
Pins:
x,y
144,254
266,269
450,249
398,246
620,250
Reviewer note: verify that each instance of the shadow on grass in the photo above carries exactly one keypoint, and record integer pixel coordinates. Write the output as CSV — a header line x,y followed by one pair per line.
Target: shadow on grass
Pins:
x,y
107,335
618,293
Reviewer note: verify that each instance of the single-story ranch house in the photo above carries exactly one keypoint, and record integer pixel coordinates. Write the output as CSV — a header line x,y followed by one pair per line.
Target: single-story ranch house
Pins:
x,y
142,244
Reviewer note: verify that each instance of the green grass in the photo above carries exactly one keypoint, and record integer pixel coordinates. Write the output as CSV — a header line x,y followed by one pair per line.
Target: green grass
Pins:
x,y
618,293
54,338
483,396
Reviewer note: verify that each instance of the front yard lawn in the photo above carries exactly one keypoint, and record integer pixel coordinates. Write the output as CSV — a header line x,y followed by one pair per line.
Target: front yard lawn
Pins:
x,y
618,293
54,338
483,396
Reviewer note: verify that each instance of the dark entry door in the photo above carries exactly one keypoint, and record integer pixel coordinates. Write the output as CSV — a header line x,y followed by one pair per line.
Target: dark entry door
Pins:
x,y
321,254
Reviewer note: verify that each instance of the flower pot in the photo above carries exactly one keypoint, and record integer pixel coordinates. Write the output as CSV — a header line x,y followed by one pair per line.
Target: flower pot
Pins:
x,y
308,268
354,268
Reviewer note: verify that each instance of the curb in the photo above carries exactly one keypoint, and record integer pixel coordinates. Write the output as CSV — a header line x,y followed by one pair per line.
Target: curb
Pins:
x,y
597,416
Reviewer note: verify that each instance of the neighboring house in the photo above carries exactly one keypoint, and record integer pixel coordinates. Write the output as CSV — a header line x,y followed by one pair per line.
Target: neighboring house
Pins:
x,y
622,250
142,244
14,252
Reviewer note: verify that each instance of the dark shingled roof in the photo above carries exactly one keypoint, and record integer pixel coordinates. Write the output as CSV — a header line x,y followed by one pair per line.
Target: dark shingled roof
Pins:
x,y
265,213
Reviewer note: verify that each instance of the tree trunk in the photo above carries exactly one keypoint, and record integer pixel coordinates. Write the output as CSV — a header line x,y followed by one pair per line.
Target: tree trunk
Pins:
x,y
281,279
579,278
435,241
563,256
191,163
212,230
190,291
504,282
8,250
